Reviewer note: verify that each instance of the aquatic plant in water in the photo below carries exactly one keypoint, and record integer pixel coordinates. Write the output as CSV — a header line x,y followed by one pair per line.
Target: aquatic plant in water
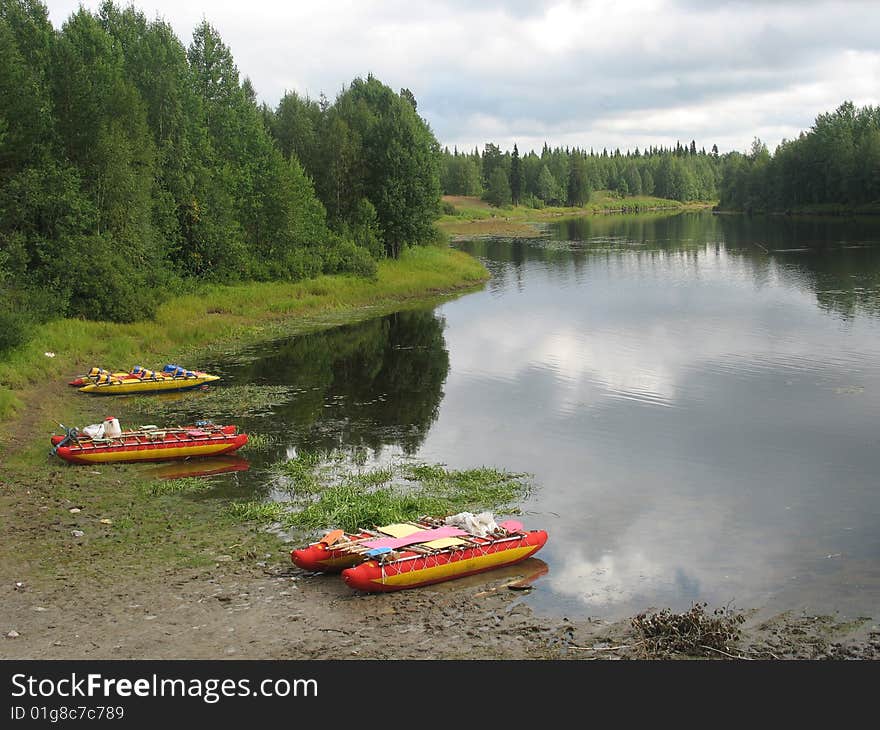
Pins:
x,y
327,491
242,400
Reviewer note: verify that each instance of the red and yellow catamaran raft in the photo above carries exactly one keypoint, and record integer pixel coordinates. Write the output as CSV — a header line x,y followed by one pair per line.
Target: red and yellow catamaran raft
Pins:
x,y
148,444
413,554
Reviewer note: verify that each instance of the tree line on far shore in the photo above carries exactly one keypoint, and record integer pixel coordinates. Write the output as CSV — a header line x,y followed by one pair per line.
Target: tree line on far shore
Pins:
x,y
834,163
568,176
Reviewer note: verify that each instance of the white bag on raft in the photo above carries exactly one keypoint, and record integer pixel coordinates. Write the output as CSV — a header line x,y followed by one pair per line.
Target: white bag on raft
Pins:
x,y
95,430
479,525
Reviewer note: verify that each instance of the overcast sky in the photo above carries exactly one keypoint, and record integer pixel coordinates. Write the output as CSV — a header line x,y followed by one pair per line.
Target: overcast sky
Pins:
x,y
630,73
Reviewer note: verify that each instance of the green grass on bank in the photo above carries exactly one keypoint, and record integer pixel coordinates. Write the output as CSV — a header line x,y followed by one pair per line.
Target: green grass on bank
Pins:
x,y
471,208
95,524
132,523
220,316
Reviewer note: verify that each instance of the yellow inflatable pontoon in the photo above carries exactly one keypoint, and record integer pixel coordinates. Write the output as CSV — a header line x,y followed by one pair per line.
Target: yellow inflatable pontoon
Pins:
x,y
142,380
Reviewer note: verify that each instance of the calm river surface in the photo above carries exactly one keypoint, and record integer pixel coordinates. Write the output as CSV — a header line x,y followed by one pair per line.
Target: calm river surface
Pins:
x,y
696,397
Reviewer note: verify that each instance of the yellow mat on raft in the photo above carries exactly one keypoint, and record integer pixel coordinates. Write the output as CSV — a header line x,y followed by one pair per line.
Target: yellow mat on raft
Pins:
x,y
403,529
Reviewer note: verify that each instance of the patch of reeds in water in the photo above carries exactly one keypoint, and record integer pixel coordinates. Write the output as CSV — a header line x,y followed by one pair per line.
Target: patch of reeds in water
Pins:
x,y
261,511
214,403
307,472
326,491
260,441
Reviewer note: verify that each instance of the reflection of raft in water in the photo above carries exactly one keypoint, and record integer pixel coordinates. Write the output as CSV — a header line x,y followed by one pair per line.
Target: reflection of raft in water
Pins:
x,y
409,555
201,467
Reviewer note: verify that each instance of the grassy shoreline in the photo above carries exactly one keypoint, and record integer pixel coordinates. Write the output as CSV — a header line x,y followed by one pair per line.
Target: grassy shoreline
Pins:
x,y
475,217
117,507
218,316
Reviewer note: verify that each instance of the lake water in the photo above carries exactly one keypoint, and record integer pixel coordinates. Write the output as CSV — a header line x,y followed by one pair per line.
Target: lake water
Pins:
x,y
695,396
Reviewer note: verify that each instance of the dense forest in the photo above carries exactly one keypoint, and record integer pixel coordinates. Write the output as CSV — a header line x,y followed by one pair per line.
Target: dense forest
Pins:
x,y
836,162
569,176
131,166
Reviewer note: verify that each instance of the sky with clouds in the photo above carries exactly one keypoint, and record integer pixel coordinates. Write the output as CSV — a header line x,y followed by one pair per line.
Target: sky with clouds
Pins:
x,y
585,73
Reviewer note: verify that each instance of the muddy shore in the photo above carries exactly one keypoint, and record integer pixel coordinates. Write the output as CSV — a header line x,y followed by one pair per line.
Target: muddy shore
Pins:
x,y
247,606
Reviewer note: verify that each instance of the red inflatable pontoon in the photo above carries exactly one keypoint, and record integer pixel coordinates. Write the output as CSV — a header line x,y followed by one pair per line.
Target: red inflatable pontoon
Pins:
x,y
150,445
412,554
414,569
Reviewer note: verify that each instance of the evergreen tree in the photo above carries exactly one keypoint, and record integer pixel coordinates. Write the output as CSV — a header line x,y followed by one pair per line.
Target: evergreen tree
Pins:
x,y
492,158
531,168
547,186
647,182
498,191
516,178
633,179
578,183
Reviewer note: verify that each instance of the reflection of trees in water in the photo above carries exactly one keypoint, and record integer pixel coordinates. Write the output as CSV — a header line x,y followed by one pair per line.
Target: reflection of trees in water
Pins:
x,y
365,385
655,230
573,244
837,259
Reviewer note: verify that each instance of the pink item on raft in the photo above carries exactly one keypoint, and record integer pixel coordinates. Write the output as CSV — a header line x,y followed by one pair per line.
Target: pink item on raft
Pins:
x,y
417,537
